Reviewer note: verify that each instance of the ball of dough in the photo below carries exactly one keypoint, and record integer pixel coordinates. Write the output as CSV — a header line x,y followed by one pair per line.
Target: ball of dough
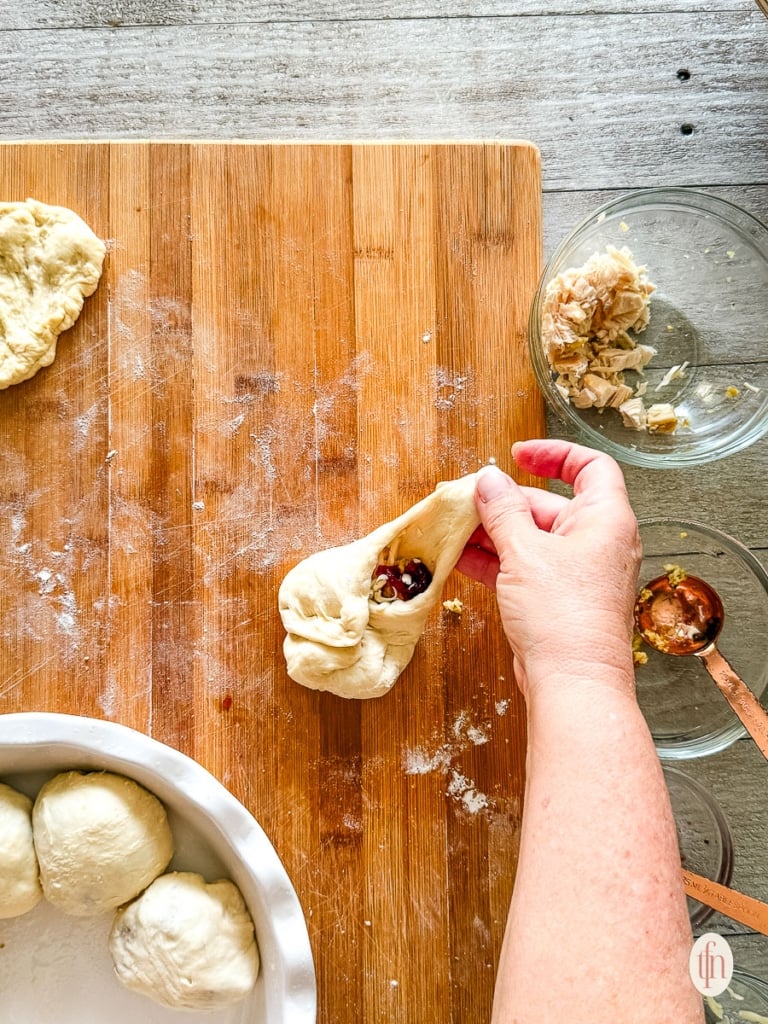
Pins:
x,y
51,262
100,840
186,943
19,883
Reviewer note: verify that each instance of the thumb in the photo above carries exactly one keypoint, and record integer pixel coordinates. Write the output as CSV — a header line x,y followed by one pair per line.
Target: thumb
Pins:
x,y
503,508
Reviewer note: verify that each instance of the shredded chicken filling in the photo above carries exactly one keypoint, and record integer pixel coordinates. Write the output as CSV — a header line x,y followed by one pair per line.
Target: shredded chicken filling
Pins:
x,y
587,318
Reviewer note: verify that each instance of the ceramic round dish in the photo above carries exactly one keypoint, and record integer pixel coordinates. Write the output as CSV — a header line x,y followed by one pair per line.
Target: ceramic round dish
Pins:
x,y
686,713
58,967
703,834
709,262
745,995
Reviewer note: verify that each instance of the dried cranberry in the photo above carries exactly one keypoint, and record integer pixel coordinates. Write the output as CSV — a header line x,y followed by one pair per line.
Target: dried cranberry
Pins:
x,y
406,583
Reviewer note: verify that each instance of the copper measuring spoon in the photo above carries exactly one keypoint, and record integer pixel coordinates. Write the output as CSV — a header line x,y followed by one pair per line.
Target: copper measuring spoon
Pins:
x,y
685,617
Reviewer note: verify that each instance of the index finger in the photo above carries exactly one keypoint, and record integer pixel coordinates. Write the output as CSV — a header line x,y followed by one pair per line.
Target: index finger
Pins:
x,y
583,468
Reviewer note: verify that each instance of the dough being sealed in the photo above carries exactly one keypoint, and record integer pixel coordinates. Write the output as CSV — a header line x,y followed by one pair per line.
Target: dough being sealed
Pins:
x,y
348,629
186,944
50,262
100,839
19,884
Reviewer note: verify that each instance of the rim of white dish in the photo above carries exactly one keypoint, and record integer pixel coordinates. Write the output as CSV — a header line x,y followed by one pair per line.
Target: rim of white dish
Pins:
x,y
158,766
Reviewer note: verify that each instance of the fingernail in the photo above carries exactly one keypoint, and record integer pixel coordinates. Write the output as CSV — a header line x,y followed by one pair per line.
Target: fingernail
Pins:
x,y
491,483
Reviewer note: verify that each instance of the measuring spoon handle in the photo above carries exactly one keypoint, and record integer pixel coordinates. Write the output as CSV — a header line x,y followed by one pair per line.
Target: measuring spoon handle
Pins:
x,y
751,713
736,905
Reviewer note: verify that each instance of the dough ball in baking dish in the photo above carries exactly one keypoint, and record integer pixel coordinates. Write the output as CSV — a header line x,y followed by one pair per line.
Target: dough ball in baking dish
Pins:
x,y
100,839
186,943
19,885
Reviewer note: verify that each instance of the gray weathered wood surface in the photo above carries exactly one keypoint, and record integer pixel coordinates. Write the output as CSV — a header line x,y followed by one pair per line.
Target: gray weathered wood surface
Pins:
x,y
616,94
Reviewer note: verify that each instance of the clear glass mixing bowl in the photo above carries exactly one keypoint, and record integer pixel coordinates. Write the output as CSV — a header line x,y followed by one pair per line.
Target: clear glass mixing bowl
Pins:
x,y
709,262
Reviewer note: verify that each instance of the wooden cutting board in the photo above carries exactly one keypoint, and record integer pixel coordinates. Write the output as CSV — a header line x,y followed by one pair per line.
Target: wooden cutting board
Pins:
x,y
290,344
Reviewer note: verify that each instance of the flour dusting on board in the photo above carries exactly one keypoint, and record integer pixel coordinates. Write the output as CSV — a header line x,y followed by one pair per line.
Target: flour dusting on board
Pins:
x,y
461,788
46,605
87,426
420,762
465,732
448,386
128,307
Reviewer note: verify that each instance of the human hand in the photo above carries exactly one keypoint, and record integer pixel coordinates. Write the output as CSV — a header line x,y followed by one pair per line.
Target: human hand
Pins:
x,y
564,570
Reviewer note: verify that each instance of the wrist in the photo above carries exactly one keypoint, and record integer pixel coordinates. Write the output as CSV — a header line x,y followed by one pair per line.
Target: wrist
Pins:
x,y
580,671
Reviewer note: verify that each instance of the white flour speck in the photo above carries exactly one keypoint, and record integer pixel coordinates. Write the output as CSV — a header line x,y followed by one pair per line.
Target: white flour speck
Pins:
x,y
447,388
352,822
66,619
459,724
482,929
232,426
109,695
464,791
502,706
47,583
419,762
83,424
477,736
263,443
463,728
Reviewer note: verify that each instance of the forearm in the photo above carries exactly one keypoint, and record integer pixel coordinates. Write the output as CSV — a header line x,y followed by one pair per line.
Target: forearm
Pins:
x,y
598,928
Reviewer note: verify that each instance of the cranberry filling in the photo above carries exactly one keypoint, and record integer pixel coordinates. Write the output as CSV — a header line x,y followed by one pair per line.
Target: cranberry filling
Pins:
x,y
403,581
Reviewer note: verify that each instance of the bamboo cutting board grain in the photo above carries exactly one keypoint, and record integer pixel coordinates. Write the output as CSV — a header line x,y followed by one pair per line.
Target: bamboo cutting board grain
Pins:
x,y
290,344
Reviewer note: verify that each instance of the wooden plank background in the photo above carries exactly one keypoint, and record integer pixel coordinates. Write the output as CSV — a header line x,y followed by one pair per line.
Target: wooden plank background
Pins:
x,y
604,88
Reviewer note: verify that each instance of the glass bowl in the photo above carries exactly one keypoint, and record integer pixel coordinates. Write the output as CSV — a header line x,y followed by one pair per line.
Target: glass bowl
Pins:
x,y
745,994
703,835
708,260
686,713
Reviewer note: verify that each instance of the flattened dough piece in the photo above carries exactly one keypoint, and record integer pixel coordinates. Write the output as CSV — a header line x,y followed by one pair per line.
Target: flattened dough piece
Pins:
x,y
186,943
19,885
50,262
338,639
100,839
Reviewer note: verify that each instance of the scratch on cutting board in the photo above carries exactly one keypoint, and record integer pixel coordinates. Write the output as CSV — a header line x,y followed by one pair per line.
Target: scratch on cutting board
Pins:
x,y
14,681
